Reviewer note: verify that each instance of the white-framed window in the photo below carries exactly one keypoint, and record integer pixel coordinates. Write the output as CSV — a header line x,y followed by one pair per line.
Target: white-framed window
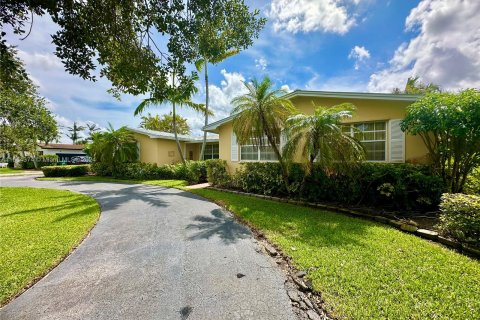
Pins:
x,y
251,152
372,135
211,151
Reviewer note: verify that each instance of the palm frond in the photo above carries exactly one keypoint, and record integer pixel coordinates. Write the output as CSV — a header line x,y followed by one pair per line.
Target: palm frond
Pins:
x,y
145,104
199,64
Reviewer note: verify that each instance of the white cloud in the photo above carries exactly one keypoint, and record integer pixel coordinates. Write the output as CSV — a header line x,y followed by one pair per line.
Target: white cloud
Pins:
x,y
286,88
359,54
311,15
221,97
342,83
446,50
261,63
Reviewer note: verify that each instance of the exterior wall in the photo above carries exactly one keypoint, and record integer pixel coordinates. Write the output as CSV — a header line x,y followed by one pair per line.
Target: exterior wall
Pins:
x,y
195,148
372,110
225,145
367,110
159,151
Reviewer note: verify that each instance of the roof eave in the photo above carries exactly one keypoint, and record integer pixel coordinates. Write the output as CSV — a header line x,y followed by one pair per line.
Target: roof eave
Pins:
x,y
354,95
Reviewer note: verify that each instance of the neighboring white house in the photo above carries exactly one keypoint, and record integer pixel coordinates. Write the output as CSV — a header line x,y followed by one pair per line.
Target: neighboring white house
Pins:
x,y
69,153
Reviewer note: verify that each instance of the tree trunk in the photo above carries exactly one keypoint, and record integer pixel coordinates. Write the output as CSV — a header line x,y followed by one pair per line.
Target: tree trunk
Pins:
x,y
175,134
206,111
174,112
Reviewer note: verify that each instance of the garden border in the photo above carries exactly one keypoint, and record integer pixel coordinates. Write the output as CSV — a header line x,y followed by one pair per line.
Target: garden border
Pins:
x,y
404,227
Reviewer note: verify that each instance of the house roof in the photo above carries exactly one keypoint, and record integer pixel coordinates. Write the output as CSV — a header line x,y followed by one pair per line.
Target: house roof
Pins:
x,y
170,136
354,95
61,146
212,127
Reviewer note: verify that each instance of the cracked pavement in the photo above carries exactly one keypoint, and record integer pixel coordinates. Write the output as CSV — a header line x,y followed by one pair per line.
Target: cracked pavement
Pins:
x,y
155,253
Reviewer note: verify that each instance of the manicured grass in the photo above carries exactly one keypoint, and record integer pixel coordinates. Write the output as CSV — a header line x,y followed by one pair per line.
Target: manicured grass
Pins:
x,y
38,227
365,270
162,183
9,170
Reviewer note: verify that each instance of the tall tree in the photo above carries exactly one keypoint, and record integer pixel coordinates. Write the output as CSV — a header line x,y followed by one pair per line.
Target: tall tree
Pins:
x,y
177,95
165,123
449,125
24,117
260,115
222,34
133,43
319,138
74,132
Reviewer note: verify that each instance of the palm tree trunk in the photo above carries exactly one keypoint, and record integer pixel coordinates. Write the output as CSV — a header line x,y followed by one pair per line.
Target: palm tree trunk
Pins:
x,y
174,113
175,134
206,111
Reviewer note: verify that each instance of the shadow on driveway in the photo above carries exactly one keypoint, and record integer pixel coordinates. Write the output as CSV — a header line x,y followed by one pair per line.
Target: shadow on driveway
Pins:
x,y
219,224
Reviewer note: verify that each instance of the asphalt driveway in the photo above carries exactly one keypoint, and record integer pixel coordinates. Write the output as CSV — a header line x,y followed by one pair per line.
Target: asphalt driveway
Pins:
x,y
156,253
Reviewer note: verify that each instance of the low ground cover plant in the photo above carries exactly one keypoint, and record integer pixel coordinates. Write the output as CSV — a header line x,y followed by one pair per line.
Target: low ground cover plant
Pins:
x,y
460,217
66,171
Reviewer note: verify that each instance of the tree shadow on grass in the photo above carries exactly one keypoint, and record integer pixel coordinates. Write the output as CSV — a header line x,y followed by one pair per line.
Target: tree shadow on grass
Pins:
x,y
218,224
313,227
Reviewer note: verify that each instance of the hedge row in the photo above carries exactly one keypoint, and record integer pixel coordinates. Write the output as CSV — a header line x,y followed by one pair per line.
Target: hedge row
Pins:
x,y
66,171
391,186
42,161
192,171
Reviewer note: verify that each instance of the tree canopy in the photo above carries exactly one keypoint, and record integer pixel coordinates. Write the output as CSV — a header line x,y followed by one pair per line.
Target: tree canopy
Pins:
x,y
25,119
449,124
135,44
165,123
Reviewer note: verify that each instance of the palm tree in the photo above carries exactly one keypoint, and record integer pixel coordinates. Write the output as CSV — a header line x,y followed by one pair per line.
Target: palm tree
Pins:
x,y
176,97
319,138
261,113
203,63
113,147
74,132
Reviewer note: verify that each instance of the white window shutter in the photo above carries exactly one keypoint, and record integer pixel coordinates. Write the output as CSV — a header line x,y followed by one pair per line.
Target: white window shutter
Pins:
x,y
397,141
234,148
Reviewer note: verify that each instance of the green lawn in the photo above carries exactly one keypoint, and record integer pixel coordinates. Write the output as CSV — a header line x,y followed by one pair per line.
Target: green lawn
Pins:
x,y
38,227
365,270
9,170
162,183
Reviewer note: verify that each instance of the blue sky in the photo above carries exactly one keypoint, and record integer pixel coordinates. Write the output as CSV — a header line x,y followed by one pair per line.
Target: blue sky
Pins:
x,y
334,45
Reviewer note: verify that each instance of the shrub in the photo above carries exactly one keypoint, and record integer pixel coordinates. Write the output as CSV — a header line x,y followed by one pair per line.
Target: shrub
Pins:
x,y
217,173
192,171
460,217
66,171
396,186
472,186
42,161
101,169
261,178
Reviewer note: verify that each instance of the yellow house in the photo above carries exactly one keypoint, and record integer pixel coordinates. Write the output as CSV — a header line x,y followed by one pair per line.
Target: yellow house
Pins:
x,y
376,123
160,147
